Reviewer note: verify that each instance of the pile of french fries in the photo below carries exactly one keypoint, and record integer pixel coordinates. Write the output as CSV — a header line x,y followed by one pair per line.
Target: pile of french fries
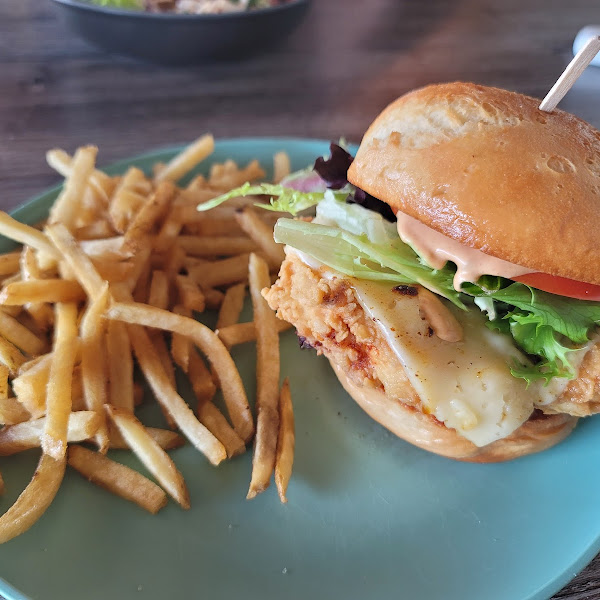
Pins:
x,y
116,277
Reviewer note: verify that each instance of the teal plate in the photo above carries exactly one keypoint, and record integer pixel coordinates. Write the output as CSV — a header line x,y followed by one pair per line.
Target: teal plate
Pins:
x,y
369,516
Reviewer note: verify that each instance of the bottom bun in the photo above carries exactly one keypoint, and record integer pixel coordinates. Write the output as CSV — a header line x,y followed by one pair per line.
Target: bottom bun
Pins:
x,y
425,431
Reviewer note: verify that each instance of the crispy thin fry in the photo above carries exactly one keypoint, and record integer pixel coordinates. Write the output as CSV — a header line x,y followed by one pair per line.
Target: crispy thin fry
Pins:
x,y
10,263
159,290
101,228
10,356
153,457
117,478
12,412
213,298
34,500
285,441
77,259
232,306
30,385
165,438
25,234
216,245
94,370
217,424
267,379
140,264
126,200
110,248
61,162
202,382
82,425
19,335
168,397
262,234
240,333
4,371
186,160
41,290
281,166
65,208
210,345
120,366
58,395
168,233
190,295
221,272
180,344
152,210
174,262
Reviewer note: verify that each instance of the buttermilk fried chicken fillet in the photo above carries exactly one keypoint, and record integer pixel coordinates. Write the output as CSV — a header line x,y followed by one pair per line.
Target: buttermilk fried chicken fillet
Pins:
x,y
451,274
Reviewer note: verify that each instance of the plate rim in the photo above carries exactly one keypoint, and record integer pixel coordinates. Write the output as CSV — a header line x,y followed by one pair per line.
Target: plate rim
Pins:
x,y
545,591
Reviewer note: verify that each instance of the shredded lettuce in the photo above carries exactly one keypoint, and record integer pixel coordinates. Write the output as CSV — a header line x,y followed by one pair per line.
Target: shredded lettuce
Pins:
x,y
283,199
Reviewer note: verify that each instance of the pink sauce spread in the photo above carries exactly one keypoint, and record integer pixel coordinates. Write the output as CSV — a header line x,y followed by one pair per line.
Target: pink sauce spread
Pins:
x,y
437,249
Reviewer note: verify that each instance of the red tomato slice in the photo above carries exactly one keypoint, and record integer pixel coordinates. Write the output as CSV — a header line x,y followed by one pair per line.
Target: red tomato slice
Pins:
x,y
561,286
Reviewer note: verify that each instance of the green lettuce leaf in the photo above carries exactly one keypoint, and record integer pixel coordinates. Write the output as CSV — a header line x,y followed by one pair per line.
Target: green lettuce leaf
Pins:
x,y
283,199
356,256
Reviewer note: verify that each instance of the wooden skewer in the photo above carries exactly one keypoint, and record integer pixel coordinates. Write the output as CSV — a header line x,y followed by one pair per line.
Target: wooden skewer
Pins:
x,y
570,75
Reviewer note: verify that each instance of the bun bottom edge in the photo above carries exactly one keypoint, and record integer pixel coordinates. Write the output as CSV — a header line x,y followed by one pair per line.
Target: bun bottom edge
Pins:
x,y
428,433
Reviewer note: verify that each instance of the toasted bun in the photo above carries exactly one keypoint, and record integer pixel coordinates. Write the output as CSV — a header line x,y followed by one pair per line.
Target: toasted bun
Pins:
x,y
488,168
428,433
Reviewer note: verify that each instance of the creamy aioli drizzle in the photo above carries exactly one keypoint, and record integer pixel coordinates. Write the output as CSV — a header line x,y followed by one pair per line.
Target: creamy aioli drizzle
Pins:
x,y
436,249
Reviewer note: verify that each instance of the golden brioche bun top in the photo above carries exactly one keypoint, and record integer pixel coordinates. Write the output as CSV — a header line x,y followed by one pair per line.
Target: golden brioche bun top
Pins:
x,y
487,168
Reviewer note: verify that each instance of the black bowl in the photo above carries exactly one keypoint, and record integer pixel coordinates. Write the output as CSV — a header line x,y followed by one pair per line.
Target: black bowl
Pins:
x,y
176,39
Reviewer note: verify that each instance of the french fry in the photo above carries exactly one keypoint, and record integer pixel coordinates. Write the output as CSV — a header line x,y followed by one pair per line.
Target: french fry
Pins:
x,y
10,263
109,248
174,262
153,209
200,377
168,233
127,200
281,166
232,305
58,395
285,441
168,397
217,424
221,272
82,425
41,290
25,234
77,259
35,498
117,478
4,372
187,159
165,438
140,264
61,162
19,335
159,290
262,234
65,208
209,344
152,456
12,412
190,295
10,356
120,366
30,385
94,370
213,298
101,228
240,333
216,245
267,379
181,346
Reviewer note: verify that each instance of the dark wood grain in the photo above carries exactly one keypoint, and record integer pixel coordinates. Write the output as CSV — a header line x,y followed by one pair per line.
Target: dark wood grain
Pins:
x,y
347,60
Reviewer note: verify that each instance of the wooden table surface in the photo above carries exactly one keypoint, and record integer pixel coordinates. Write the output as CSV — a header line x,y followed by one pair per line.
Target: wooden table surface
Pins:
x,y
347,60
